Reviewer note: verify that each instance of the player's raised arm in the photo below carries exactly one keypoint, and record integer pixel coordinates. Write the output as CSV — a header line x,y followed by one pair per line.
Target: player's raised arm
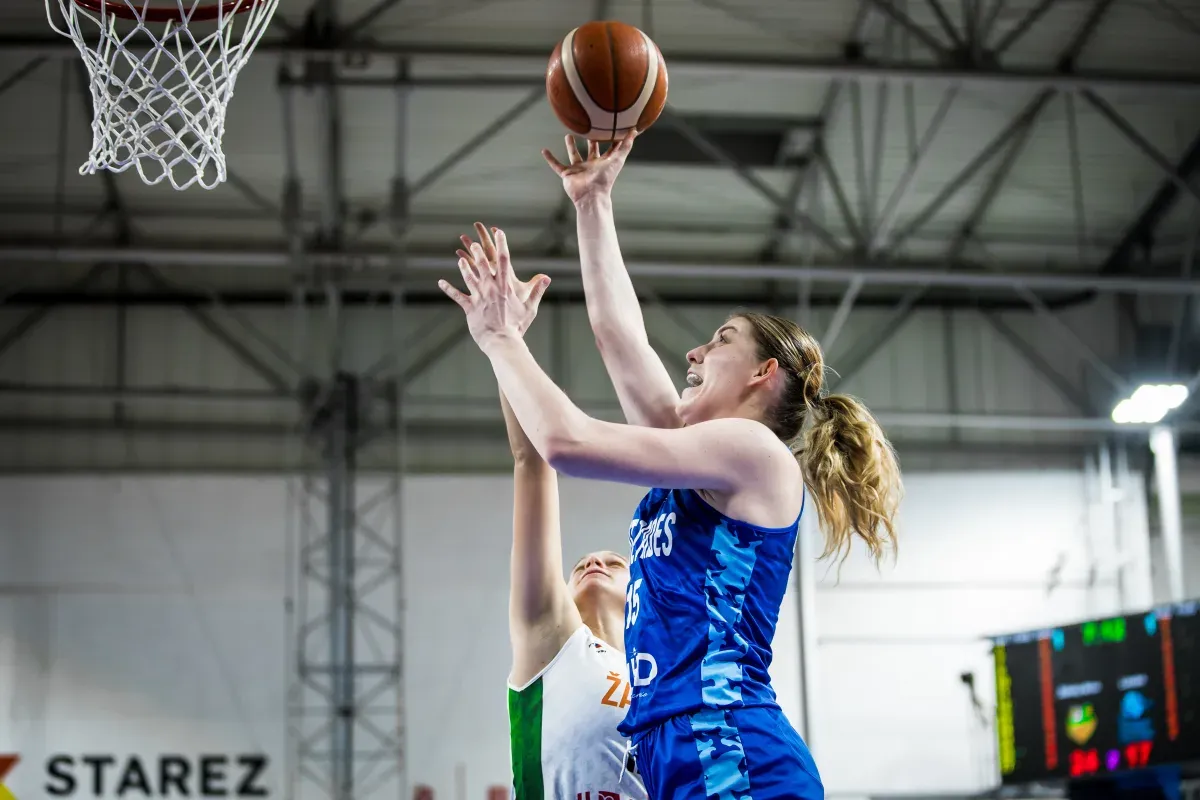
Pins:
x,y
643,385
541,613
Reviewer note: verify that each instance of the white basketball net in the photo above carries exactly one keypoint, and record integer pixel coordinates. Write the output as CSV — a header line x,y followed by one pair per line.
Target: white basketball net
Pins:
x,y
160,89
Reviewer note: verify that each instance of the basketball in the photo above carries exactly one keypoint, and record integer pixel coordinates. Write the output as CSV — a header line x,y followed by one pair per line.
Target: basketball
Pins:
x,y
606,78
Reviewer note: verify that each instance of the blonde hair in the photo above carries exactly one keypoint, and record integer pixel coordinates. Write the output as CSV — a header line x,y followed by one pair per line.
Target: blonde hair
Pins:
x,y
849,465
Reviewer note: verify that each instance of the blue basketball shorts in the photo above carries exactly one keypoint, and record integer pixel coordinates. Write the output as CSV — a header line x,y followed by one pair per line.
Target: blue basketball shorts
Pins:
x,y
727,754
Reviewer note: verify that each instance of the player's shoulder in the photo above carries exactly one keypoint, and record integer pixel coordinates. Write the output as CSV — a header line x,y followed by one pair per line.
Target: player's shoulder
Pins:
x,y
748,434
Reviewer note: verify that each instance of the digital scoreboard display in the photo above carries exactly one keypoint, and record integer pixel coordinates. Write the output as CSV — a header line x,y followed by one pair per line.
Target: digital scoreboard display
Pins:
x,y
1101,697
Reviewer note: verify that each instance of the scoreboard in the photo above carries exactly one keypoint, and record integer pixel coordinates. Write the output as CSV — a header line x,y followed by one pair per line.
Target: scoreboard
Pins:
x,y
1101,697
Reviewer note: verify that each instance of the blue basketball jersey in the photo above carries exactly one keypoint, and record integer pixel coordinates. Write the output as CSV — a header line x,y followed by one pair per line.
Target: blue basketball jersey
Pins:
x,y
700,609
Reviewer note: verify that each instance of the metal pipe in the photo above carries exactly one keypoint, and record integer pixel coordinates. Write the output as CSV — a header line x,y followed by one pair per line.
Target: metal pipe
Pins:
x,y
699,65
1166,478
895,275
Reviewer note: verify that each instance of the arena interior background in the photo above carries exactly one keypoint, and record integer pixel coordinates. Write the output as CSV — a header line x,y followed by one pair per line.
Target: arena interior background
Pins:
x,y
986,210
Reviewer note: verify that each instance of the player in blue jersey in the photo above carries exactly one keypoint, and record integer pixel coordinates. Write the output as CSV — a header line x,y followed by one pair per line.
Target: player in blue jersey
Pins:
x,y
712,543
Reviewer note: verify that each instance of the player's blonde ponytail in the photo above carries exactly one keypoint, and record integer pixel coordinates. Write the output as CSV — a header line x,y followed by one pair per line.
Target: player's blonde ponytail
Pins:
x,y
849,466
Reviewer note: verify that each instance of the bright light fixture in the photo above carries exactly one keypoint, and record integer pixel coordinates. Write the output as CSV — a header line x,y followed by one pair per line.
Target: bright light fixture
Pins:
x,y
1150,403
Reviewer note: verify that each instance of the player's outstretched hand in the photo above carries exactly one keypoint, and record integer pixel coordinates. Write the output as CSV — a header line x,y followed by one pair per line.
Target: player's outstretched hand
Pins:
x,y
496,303
594,176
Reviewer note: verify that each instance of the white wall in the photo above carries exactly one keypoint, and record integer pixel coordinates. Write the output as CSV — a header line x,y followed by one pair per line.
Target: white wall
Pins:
x,y
978,554
146,615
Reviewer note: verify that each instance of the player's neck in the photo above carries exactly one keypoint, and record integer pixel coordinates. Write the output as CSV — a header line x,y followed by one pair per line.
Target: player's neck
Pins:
x,y
608,628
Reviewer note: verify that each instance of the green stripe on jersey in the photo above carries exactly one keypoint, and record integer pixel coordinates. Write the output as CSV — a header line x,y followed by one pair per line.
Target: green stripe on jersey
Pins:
x,y
525,737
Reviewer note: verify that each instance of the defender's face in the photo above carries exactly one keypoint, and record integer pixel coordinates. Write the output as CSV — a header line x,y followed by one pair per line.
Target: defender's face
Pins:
x,y
600,577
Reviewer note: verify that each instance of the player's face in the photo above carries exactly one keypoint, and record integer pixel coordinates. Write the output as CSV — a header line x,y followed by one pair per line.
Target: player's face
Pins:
x,y
600,577
720,373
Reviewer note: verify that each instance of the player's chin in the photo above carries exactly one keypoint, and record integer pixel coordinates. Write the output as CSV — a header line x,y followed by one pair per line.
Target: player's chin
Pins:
x,y
597,588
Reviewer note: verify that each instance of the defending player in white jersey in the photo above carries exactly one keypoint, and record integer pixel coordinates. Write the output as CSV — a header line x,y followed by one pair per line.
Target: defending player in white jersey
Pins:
x,y
568,688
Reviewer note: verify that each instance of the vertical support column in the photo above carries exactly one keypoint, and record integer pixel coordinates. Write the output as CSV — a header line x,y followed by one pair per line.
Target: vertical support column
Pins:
x,y
1111,553
323,72
1134,522
401,206
1166,475
1094,489
341,438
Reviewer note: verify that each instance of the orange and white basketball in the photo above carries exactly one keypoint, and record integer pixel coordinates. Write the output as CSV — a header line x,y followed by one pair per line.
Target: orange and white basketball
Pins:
x,y
606,78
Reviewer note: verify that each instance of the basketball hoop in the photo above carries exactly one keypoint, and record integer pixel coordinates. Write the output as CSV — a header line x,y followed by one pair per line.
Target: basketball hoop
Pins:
x,y
162,74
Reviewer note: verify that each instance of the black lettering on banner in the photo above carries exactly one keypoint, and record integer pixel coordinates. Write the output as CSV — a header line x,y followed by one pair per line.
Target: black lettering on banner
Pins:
x,y
173,774
58,768
212,776
254,767
98,763
134,777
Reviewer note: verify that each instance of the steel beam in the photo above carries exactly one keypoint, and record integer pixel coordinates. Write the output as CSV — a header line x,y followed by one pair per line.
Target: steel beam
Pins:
x,y
1141,232
918,158
894,274
164,393
829,108
478,140
1016,146
913,29
989,151
1022,27
323,27
1032,356
700,65
825,164
231,342
841,315
38,315
933,420
988,25
939,12
204,217
1141,143
867,345
1180,18
360,23
419,291
1067,334
21,73
1077,193
717,154
248,328
1185,303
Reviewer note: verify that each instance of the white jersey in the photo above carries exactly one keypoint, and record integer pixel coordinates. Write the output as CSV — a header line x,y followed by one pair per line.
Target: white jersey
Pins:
x,y
563,727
